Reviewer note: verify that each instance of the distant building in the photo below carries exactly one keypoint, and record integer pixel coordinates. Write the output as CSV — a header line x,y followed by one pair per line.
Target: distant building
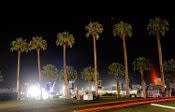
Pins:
x,y
112,89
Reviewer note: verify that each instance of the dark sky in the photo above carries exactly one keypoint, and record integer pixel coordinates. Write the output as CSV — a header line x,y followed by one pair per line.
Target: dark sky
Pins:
x,y
28,22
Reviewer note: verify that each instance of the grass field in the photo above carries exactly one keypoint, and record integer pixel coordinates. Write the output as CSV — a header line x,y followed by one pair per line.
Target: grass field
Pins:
x,y
61,105
65,105
169,103
145,108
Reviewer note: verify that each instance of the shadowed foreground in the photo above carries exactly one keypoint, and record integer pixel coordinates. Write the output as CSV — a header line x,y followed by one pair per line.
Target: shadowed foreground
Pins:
x,y
32,106
63,105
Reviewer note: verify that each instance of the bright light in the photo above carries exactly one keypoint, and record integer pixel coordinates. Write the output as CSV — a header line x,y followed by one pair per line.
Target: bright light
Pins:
x,y
63,90
133,91
157,81
34,91
45,95
93,89
87,88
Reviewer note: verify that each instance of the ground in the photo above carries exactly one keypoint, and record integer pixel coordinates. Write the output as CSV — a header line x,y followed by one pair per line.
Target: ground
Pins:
x,y
145,108
63,105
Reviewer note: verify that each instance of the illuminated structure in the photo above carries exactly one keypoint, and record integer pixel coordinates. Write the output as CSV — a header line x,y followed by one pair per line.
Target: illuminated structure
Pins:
x,y
33,91
112,90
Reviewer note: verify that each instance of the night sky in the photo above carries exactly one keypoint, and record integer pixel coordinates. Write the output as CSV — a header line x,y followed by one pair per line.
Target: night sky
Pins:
x,y
30,22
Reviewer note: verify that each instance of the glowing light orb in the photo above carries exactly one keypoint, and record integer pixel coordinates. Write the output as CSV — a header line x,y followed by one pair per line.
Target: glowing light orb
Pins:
x,y
45,94
34,91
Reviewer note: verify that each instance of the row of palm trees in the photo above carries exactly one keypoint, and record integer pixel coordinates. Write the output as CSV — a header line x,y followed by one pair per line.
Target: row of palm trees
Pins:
x,y
51,73
156,27
20,45
141,64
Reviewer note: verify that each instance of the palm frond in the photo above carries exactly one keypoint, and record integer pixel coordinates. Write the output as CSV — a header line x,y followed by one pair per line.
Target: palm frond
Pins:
x,y
122,28
88,74
65,38
94,27
116,69
141,63
38,42
19,45
157,26
71,73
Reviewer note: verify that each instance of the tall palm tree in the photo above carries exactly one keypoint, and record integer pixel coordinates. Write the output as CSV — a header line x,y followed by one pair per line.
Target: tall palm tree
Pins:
x,y
38,43
117,70
93,29
124,30
65,39
49,72
141,64
158,27
20,45
88,74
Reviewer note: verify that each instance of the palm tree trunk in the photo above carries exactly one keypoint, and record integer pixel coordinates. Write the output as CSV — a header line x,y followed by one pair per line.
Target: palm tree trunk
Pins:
x,y
39,66
143,83
126,66
67,93
70,56
174,85
18,75
77,95
90,87
161,64
39,72
118,86
95,65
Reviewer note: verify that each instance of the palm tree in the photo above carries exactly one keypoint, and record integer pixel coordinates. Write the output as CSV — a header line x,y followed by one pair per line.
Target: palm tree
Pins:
x,y
93,29
65,39
71,73
38,43
117,70
88,74
20,45
124,30
141,64
158,27
49,72
169,66
169,69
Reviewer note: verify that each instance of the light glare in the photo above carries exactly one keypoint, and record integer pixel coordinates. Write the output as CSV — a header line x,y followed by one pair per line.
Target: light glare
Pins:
x,y
34,91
